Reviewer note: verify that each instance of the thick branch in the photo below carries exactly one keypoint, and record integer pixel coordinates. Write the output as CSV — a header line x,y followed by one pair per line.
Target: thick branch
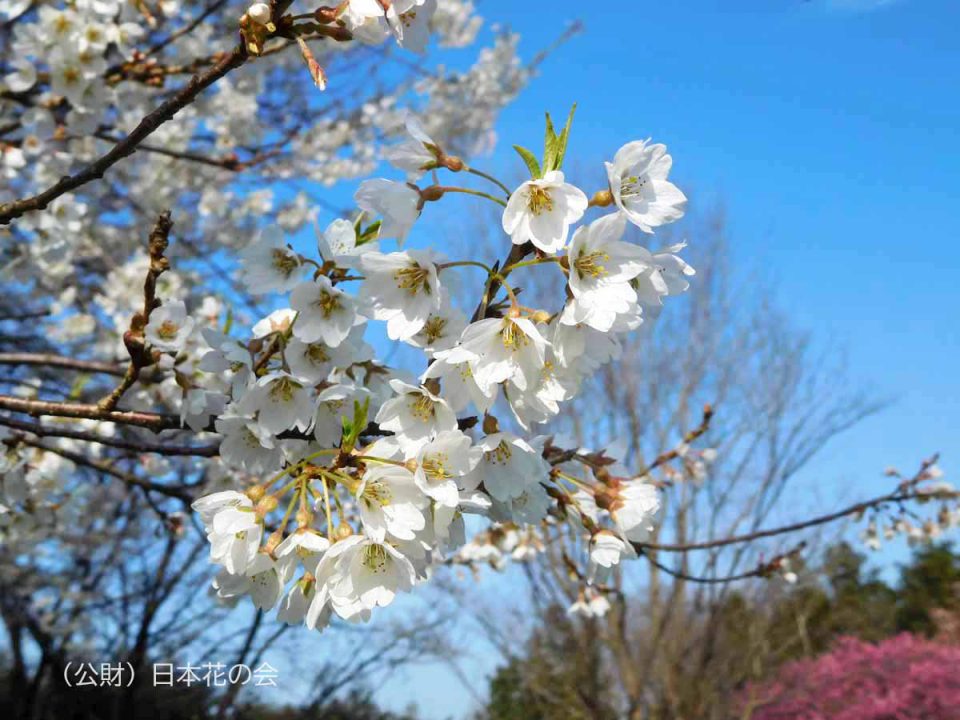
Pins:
x,y
164,113
151,421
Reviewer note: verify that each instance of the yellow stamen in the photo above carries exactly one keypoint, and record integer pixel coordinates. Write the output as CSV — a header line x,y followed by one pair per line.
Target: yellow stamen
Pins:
x,y
539,200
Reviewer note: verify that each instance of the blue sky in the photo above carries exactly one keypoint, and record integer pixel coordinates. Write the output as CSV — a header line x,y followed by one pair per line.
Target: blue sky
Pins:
x,y
829,130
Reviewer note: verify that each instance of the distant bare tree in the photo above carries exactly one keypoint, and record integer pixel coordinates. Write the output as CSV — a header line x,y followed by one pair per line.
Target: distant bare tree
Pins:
x,y
776,398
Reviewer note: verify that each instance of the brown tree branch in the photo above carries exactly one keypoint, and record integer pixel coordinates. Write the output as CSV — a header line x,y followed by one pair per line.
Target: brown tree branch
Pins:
x,y
134,339
137,446
60,361
855,509
762,570
151,421
108,469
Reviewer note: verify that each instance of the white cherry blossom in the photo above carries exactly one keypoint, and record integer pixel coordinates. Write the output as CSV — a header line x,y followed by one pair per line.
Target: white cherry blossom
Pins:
x,y
397,204
281,402
390,502
442,462
338,244
417,153
633,509
324,312
639,185
504,348
410,22
169,327
458,387
666,274
541,212
416,415
402,289
508,467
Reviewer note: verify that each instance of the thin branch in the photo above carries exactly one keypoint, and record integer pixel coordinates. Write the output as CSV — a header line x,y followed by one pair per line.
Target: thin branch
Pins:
x,y
41,430
186,29
764,569
107,469
855,509
60,361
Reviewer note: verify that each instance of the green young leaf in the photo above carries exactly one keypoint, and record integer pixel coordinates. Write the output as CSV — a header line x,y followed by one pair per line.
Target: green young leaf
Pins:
x,y
352,429
531,160
228,323
550,146
360,415
564,137
369,234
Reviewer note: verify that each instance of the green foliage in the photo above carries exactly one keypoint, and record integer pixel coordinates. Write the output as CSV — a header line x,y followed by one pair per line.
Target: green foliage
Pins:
x,y
555,146
533,165
371,233
554,149
352,429
931,581
563,675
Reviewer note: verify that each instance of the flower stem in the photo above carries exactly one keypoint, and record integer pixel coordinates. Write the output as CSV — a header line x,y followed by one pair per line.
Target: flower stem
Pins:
x,y
290,506
461,263
385,461
491,178
528,263
469,191
286,471
575,481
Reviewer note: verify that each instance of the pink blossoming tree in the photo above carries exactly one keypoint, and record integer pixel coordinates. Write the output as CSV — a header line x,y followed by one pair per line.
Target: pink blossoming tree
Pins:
x,y
906,677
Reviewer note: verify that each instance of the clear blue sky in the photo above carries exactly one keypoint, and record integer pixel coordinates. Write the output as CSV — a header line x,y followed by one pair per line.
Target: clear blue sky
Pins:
x,y
830,129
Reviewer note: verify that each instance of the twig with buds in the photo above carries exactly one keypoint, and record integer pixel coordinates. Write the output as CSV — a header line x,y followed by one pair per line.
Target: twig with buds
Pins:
x,y
133,338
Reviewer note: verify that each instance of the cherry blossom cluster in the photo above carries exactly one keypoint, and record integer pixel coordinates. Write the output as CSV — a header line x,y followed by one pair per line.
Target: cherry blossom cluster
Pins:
x,y
78,75
77,265
931,488
363,475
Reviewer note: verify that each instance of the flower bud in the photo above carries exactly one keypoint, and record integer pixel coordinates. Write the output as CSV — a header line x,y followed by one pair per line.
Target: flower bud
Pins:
x,y
602,198
259,13
273,541
267,505
432,193
256,492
